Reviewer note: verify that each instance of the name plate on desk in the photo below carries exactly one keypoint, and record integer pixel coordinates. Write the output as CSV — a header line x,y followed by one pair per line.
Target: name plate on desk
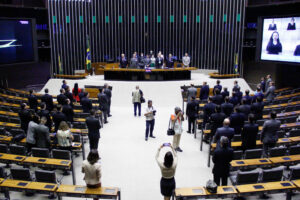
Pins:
x,y
110,191
64,162
286,158
80,189
227,189
49,186
197,191
240,162
258,187
285,184
1,155
18,157
263,161
22,184
42,160
285,139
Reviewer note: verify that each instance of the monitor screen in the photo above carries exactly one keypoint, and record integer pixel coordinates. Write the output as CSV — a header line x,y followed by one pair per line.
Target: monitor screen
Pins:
x,y
16,41
281,39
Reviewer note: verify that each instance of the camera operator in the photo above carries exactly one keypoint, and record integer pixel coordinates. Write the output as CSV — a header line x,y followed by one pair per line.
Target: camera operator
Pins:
x,y
177,125
149,114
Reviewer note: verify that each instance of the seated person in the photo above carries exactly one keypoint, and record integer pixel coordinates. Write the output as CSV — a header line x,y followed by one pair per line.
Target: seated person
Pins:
x,y
170,62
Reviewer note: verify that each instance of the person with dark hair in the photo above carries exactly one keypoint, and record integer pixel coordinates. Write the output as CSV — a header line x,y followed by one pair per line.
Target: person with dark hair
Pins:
x,y
76,90
257,108
218,98
42,134
272,27
192,108
204,92
269,80
61,98
225,93
103,103
297,51
159,61
136,100
150,120
239,95
86,103
192,92
134,61
224,131
92,170
216,120
274,46
25,117
107,91
227,108
48,100
247,97
68,111
292,25
249,134
222,157
208,110
32,101
168,169
170,61
218,86
64,136
43,112
237,120
245,108
262,84
64,85
176,121
69,95
269,135
270,93
93,125
236,86
31,132
234,99
81,94
58,117
258,93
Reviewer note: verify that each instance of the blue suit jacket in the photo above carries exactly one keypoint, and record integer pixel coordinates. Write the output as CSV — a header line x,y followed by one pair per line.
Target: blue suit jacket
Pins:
x,y
204,92
224,131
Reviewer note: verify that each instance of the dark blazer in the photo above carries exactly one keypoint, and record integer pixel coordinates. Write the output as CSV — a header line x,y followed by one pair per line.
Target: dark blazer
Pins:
x,y
192,109
81,95
93,126
249,134
61,99
272,28
224,131
208,109
33,102
227,108
216,120
48,100
234,100
221,159
159,62
225,94
248,99
269,131
42,136
204,92
257,109
218,99
69,95
123,63
86,104
297,51
237,121
46,113
57,118
107,92
217,87
239,95
245,109
25,119
169,63
103,102
68,111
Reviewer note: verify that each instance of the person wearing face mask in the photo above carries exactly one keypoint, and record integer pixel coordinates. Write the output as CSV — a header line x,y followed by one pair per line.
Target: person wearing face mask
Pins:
x,y
274,45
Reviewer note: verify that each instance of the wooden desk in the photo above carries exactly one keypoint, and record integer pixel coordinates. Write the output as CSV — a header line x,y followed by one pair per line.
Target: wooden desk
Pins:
x,y
42,187
283,89
286,114
15,185
287,96
190,192
48,162
245,163
201,192
285,159
279,186
11,158
270,187
9,113
297,183
282,105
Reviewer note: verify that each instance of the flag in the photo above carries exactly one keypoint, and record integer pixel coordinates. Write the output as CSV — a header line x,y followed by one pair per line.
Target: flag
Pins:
x,y
236,63
61,71
88,55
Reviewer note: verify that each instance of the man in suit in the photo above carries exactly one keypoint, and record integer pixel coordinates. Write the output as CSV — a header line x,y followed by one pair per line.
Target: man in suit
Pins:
x,y
192,92
25,117
43,112
269,80
247,97
239,95
218,86
225,93
234,99
192,113
86,103
68,111
257,108
107,92
227,108
69,95
61,98
245,108
42,134
237,120
159,61
81,94
249,134
134,63
170,62
208,110
32,100
221,158
64,85
58,117
216,119
204,92
123,61
269,135
93,126
103,104
48,100
236,86
218,98
270,93
224,131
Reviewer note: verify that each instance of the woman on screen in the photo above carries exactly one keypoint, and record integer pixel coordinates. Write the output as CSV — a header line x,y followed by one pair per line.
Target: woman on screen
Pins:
x,y
274,45
297,51
292,24
272,27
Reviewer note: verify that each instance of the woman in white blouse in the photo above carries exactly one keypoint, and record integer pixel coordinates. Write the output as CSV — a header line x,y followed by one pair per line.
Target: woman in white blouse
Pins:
x,y
64,136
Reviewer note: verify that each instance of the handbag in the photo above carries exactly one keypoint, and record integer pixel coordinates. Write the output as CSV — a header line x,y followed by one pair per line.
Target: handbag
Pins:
x,y
170,131
142,99
211,186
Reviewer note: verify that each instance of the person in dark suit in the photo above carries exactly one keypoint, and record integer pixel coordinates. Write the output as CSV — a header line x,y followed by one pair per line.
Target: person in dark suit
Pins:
x,y
86,103
249,134
270,93
234,99
257,108
48,100
218,86
204,92
69,95
225,93
61,98
123,61
25,117
236,86
269,80
274,46
103,103
32,101
272,27
107,92
42,134
208,110
269,135
58,117
224,131
245,108
68,111
216,119
192,113
292,24
237,120
159,61
93,126
81,94
227,108
262,84
218,98
258,93
297,51
43,112
221,158
247,97
239,95
170,61
64,85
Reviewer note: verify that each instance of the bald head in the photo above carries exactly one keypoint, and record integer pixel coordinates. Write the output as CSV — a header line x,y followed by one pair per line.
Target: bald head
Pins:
x,y
226,122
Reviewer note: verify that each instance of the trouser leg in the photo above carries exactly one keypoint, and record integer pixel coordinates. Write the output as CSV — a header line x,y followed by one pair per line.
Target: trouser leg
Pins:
x,y
224,180
134,108
147,129
217,179
178,140
152,127
108,111
190,123
139,107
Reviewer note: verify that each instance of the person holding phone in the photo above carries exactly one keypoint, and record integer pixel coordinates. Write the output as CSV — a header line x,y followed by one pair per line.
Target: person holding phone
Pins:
x,y
150,121
168,169
177,125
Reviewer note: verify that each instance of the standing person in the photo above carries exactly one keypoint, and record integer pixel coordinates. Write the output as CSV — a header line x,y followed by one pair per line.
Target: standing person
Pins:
x,y
249,134
42,134
134,61
292,24
227,108
257,108
177,125
170,61
159,61
217,86
31,132
262,84
150,121
86,103
186,60
247,97
107,91
103,103
123,61
221,158
152,61
236,86
192,113
270,93
76,90
69,95
136,99
218,98
45,113
204,92
93,126
216,120
64,136
25,117
274,45
48,100
64,85
208,109
61,98
225,93
92,170
32,101
269,135
237,120
245,108
68,111
58,117
224,131
192,92
168,169
269,80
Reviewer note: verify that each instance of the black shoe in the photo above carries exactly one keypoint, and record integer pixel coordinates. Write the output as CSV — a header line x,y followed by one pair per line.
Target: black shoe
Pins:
x,y
106,122
146,139
109,115
188,131
178,149
152,136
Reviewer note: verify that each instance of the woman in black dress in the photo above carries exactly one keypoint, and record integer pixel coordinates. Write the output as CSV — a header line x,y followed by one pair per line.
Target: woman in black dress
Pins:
x,y
274,45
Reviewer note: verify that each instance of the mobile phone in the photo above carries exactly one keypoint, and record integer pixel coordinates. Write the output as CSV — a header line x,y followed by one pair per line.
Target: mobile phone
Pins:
x,y
166,144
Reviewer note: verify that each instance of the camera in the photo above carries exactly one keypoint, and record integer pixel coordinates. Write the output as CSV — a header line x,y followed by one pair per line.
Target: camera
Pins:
x,y
154,112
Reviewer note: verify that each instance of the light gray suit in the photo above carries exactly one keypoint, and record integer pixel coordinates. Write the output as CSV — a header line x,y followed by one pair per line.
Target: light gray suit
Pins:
x,y
269,135
268,84
270,93
192,92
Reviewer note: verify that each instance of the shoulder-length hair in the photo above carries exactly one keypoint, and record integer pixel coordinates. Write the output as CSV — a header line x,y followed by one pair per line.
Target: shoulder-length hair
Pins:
x,y
93,156
63,126
168,161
